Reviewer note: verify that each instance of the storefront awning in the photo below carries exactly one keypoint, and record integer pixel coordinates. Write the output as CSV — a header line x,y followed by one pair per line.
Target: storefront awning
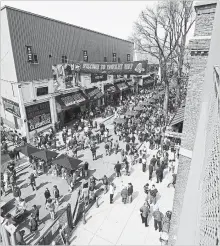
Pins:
x,y
110,88
122,86
94,93
178,117
71,99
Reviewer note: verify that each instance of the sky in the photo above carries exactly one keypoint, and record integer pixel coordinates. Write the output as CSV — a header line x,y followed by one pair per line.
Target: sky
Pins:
x,y
115,18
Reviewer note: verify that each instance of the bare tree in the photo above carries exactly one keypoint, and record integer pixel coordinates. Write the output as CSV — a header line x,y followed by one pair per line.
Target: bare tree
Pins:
x,y
161,32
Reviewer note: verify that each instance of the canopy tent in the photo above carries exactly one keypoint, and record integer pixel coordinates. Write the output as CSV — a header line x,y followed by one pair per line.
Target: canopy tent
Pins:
x,y
119,121
45,154
27,149
67,162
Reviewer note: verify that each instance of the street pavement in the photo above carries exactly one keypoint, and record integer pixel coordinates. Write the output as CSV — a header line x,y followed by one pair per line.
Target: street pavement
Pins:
x,y
110,224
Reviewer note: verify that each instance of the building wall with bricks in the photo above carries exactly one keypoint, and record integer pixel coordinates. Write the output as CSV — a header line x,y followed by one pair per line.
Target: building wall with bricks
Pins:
x,y
199,46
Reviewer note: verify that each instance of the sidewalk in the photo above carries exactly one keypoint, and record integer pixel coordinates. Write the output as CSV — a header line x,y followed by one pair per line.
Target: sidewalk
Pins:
x,y
120,224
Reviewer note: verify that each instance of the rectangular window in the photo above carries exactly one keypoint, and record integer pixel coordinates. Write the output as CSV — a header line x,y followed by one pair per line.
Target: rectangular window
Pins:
x,y
114,57
105,59
42,91
64,59
35,59
85,56
119,59
128,57
29,54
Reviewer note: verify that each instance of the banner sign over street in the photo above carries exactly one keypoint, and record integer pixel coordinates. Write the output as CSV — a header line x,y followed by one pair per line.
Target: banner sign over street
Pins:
x,y
136,67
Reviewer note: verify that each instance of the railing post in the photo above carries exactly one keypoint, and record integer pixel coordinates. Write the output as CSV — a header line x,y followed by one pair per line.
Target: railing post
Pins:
x,y
69,216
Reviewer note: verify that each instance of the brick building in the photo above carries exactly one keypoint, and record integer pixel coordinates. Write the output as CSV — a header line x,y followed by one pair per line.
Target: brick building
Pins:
x,y
195,219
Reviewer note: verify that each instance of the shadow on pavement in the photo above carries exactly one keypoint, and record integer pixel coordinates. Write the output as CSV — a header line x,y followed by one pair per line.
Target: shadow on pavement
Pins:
x,y
29,198
42,184
45,218
9,205
25,185
20,181
99,157
80,156
135,195
66,198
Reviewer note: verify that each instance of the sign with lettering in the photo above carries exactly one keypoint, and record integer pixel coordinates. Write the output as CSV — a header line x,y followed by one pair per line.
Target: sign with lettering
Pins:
x,y
136,67
72,99
96,77
11,107
38,115
122,86
95,93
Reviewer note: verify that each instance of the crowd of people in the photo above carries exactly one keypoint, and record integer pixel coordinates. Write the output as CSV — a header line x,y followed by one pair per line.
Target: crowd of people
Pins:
x,y
143,121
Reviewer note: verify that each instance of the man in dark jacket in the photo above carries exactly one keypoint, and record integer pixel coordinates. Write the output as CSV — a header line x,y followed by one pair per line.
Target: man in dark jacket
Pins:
x,y
159,173
17,192
85,169
130,192
33,224
35,213
153,194
33,182
158,218
118,169
151,168
47,195
145,210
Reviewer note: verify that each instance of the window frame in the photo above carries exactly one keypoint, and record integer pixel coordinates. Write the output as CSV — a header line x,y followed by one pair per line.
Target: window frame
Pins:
x,y
114,57
64,59
85,56
128,59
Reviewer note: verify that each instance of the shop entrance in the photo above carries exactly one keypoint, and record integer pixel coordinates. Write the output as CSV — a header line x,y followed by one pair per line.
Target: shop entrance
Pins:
x,y
69,115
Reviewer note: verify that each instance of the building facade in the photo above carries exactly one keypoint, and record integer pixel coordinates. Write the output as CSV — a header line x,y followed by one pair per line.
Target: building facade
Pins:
x,y
30,46
196,217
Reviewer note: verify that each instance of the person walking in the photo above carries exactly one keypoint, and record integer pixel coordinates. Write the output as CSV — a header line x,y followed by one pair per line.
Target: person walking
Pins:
x,y
116,147
85,169
118,169
51,207
159,174
145,210
56,193
105,183
93,150
36,213
173,182
33,224
112,189
151,168
33,182
158,218
153,194
130,192
47,195
17,193
124,194
146,191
